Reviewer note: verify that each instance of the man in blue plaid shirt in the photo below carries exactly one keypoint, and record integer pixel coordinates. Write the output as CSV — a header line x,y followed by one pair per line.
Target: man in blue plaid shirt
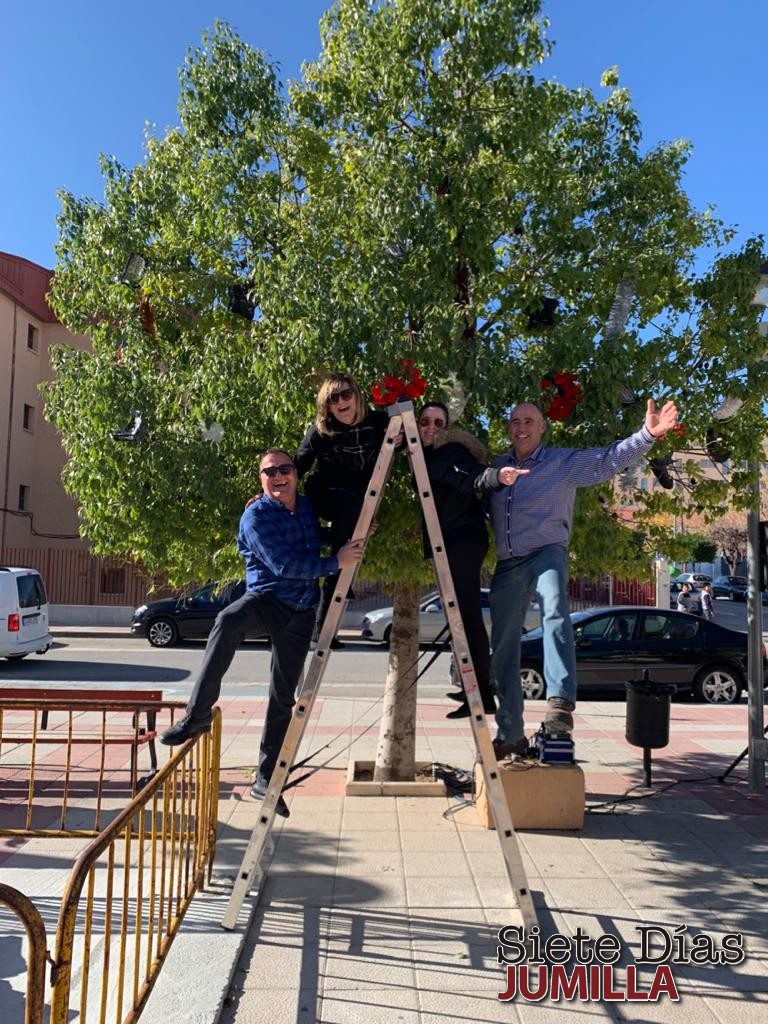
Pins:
x,y
280,541
532,525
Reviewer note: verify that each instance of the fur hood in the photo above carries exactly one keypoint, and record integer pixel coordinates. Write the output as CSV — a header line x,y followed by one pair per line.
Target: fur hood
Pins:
x,y
455,435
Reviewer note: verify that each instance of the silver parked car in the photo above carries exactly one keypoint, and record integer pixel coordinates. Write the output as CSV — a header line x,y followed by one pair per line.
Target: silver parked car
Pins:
x,y
377,625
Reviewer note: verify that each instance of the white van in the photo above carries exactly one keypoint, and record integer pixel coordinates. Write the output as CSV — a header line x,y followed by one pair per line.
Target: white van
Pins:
x,y
23,613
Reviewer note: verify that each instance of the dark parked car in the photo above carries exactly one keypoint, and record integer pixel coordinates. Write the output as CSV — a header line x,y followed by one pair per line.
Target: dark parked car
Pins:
x,y
614,645
166,622
732,587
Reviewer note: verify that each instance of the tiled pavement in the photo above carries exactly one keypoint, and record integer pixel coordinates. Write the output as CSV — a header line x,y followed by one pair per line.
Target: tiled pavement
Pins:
x,y
387,908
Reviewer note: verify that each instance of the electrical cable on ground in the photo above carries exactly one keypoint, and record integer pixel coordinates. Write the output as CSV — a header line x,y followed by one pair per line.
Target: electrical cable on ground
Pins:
x,y
442,645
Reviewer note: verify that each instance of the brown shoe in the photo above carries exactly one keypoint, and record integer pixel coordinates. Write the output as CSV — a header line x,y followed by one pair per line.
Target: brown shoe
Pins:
x,y
558,717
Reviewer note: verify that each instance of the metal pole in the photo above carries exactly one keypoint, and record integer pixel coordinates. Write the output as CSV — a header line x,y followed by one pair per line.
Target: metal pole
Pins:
x,y
755,696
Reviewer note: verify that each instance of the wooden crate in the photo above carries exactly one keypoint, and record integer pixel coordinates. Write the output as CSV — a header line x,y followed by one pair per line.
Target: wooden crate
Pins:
x,y
539,796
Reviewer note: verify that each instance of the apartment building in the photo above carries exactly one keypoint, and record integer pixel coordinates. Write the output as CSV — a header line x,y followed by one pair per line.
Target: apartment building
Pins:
x,y
35,511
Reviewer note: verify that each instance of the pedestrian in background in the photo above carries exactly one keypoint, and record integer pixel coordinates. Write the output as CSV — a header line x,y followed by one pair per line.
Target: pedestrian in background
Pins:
x,y
685,600
707,602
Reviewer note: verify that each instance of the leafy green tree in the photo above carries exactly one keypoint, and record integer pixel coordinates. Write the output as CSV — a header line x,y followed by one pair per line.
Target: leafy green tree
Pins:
x,y
425,192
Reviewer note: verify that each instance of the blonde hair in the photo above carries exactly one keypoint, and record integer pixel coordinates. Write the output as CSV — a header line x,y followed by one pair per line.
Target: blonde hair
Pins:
x,y
325,421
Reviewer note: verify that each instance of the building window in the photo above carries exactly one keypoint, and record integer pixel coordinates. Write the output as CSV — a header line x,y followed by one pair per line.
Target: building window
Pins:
x,y
113,580
32,335
23,498
29,417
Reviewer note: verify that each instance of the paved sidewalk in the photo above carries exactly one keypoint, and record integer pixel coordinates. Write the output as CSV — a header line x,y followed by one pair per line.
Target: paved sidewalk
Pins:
x,y
382,909
387,909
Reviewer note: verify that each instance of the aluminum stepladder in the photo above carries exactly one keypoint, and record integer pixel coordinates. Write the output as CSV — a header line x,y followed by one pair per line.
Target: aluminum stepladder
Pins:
x,y
401,418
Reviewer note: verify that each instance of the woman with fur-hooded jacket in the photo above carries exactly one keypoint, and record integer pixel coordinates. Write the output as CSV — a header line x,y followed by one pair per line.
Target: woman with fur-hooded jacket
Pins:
x,y
456,466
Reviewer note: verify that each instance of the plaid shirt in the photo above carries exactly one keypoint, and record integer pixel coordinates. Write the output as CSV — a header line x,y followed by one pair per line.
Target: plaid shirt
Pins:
x,y
538,509
282,551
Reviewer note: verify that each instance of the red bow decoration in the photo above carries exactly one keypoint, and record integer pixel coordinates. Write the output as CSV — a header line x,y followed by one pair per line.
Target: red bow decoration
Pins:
x,y
391,387
567,395
679,429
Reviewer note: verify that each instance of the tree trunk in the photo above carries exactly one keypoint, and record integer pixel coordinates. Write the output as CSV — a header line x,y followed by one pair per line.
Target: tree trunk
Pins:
x,y
396,753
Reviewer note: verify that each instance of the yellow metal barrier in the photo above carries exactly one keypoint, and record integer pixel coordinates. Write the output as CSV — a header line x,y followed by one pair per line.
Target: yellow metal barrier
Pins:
x,y
131,886
58,747
37,951
129,889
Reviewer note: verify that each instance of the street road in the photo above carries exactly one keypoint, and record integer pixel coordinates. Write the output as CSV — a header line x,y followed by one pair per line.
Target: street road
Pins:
x,y
359,670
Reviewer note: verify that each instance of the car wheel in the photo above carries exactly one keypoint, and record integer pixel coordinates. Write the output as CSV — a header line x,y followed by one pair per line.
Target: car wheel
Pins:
x,y
387,634
15,657
534,687
718,684
162,633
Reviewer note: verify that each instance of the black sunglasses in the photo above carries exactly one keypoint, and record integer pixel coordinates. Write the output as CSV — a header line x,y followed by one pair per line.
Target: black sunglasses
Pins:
x,y
286,469
341,396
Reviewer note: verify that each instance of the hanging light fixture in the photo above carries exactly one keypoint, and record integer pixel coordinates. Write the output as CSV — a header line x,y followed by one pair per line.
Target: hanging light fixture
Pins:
x,y
135,268
134,431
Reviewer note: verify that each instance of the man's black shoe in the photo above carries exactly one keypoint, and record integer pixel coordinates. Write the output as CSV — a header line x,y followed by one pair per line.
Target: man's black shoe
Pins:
x,y
462,712
185,729
457,695
259,791
334,645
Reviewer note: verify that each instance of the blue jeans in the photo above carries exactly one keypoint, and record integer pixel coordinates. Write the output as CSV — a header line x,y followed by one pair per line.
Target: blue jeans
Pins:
x,y
543,572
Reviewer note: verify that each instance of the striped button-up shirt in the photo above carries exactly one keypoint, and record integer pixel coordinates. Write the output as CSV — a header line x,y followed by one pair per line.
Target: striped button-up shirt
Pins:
x,y
282,551
538,508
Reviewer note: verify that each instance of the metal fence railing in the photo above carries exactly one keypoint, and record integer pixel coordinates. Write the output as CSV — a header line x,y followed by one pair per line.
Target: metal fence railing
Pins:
x,y
37,953
126,895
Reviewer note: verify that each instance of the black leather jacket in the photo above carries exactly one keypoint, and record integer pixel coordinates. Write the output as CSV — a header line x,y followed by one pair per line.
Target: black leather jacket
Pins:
x,y
457,477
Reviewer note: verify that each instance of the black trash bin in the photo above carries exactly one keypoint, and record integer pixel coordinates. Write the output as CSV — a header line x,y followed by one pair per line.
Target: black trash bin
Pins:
x,y
648,707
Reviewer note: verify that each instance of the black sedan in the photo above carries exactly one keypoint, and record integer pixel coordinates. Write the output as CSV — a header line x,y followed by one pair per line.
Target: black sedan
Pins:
x,y
166,622
732,587
614,645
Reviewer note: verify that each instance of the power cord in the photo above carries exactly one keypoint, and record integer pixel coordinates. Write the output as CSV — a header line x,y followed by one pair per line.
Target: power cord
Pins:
x,y
627,797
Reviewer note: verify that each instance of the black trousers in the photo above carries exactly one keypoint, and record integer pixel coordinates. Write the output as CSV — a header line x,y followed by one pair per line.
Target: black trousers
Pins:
x,y
290,632
341,509
465,559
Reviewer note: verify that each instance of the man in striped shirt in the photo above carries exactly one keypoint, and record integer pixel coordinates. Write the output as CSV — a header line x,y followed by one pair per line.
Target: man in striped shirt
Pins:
x,y
532,522
280,541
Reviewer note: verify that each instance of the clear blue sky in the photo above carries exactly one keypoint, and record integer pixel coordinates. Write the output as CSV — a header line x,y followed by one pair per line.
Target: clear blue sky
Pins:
x,y
82,77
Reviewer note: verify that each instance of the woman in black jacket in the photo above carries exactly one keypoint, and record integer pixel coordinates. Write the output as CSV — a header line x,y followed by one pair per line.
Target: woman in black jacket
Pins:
x,y
455,464
342,445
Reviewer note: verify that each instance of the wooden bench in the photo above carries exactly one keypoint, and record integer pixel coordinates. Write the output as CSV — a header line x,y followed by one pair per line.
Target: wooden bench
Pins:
x,y
101,701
